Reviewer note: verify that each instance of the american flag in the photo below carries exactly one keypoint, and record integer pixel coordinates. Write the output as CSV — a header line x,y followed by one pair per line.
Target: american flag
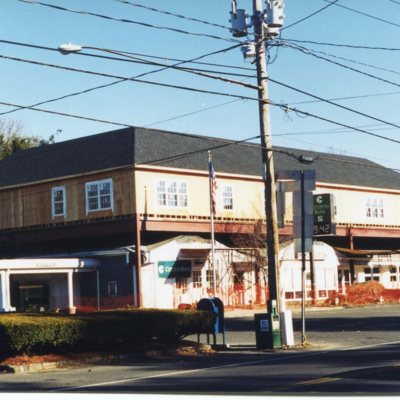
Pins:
x,y
213,187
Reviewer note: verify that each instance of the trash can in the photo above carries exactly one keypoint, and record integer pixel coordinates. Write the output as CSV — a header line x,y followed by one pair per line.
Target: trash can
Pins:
x,y
268,330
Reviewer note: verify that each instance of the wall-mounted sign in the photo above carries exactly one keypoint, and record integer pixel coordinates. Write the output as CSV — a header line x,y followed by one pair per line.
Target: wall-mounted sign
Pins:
x,y
174,269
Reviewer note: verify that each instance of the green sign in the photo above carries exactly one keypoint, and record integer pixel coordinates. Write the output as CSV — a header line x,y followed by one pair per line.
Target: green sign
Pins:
x,y
323,214
174,269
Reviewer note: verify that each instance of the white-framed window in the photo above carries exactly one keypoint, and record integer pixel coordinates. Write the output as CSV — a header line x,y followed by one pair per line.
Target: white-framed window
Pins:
x,y
112,288
58,202
172,194
99,195
227,197
374,208
197,278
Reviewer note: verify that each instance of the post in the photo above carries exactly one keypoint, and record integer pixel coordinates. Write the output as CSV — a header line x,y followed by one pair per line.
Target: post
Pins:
x,y
303,262
267,158
212,212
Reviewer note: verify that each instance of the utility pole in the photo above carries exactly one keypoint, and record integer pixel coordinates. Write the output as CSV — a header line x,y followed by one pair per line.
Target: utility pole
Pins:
x,y
266,23
267,157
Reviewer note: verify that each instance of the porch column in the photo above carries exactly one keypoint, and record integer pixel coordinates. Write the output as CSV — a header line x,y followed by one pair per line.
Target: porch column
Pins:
x,y
71,308
7,303
98,288
3,291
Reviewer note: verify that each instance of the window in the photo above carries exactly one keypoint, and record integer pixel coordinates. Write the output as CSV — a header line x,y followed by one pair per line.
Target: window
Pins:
x,y
99,195
227,197
172,194
374,208
58,201
372,273
210,278
394,273
196,278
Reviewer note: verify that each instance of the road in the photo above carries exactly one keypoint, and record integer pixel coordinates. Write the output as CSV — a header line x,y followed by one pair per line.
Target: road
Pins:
x,y
349,351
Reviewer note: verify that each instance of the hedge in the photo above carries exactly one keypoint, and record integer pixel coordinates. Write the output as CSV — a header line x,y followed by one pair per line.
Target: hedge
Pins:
x,y
121,330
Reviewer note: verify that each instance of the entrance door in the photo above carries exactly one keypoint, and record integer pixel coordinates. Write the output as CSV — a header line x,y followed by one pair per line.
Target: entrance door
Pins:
x,y
33,297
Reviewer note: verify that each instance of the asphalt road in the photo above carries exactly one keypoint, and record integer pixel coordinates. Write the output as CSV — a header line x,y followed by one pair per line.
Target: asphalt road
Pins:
x,y
349,351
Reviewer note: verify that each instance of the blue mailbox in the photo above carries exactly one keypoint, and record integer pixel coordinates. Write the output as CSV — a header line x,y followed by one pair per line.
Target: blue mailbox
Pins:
x,y
215,305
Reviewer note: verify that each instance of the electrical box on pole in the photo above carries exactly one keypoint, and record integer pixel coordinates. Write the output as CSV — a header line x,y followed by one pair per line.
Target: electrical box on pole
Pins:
x,y
275,16
238,21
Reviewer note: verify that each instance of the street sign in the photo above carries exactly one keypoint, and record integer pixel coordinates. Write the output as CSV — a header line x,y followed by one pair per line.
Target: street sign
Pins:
x,y
324,214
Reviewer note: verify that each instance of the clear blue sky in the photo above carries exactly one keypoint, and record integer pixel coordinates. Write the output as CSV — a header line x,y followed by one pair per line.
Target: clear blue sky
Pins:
x,y
358,23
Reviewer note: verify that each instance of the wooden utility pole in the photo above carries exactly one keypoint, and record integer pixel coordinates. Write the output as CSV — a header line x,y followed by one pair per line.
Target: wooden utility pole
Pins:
x,y
267,158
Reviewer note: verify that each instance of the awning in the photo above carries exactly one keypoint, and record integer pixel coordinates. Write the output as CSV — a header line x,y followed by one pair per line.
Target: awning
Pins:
x,y
364,253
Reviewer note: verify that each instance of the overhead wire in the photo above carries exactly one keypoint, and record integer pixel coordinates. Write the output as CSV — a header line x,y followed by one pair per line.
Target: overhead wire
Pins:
x,y
309,16
167,59
350,46
363,13
125,20
173,14
333,103
312,53
120,79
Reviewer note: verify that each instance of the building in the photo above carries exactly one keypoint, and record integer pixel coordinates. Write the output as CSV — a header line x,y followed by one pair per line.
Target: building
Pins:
x,y
135,187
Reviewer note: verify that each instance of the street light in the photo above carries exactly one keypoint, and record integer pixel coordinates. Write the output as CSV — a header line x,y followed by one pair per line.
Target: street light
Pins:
x,y
69,48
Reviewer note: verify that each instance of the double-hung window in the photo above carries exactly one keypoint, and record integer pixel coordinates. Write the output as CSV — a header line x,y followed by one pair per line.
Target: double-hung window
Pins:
x,y
172,194
227,197
58,206
99,195
374,208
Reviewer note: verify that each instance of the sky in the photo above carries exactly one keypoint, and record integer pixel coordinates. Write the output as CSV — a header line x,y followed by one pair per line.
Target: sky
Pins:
x,y
344,51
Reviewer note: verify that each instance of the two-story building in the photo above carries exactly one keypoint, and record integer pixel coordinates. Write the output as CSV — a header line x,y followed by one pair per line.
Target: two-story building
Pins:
x,y
135,187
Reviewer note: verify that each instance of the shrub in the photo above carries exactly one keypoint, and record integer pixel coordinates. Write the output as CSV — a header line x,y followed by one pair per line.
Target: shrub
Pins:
x,y
364,293
121,330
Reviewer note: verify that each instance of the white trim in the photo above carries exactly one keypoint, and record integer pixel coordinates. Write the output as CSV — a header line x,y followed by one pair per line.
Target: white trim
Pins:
x,y
98,183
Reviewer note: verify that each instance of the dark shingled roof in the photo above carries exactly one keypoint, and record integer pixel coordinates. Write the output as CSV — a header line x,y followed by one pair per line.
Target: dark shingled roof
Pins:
x,y
147,146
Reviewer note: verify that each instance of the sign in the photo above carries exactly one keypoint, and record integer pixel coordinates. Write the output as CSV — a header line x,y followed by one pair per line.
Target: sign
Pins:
x,y
324,214
264,325
174,269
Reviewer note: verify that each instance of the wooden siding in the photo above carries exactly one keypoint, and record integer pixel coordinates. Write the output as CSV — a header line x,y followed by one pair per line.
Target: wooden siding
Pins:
x,y
32,205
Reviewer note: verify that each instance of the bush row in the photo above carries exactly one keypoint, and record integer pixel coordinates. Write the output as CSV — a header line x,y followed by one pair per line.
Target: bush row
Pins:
x,y
125,330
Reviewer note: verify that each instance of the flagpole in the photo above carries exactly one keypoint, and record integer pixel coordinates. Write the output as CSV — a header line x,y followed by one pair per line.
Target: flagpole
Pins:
x,y
212,212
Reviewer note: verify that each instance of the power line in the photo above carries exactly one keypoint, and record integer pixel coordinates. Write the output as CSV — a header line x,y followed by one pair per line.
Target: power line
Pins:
x,y
363,13
64,114
312,53
286,108
348,97
309,16
120,79
191,113
82,53
350,46
333,104
124,20
173,14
